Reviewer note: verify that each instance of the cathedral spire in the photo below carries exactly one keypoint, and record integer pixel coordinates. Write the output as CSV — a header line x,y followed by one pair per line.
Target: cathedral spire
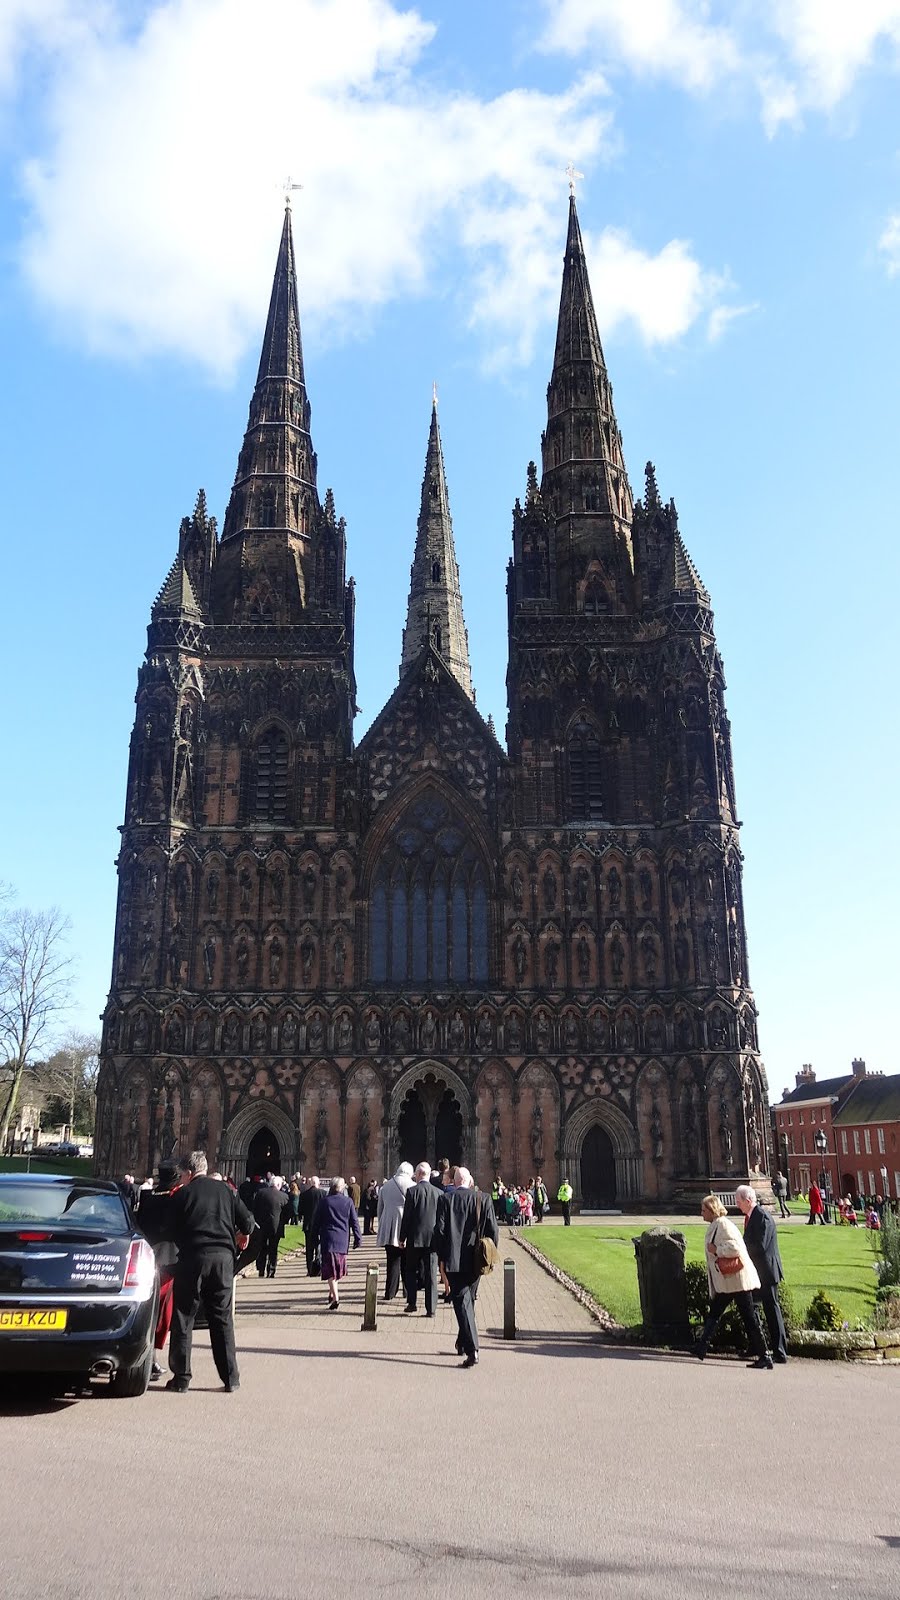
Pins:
x,y
435,615
585,485
269,565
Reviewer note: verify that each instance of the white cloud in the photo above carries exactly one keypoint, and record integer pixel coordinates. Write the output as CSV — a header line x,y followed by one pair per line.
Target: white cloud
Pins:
x,y
797,55
889,244
154,205
663,295
721,318
54,26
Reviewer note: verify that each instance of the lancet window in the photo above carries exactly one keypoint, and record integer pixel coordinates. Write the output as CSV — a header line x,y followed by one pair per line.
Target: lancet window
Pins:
x,y
585,774
428,921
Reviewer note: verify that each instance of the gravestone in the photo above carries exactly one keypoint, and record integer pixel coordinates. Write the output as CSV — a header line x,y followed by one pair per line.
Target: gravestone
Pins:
x,y
659,1253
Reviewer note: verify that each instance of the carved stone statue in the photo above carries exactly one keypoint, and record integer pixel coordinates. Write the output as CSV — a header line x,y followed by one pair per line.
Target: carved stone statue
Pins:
x,y
316,1033
307,957
400,1032
289,1032
141,1036
457,1031
551,962
245,890
599,1031
345,1033
649,953
690,1132
626,1034
203,1034
372,1033
231,1033
484,1033
583,960
678,886
711,949
276,952
517,889
734,950
428,1031
616,958
175,1034
726,1139
167,1139
684,1032
614,889
682,954
582,888
513,1033
259,1033
537,1135
340,890
655,1031
542,1031
495,1139
212,892
181,884
321,1139
363,1134
278,890
520,958
203,1127
548,884
645,884
242,960
339,958
309,889
210,952
656,1134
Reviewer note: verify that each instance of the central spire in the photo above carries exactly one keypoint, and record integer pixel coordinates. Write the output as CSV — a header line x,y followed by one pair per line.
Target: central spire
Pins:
x,y
435,616
585,485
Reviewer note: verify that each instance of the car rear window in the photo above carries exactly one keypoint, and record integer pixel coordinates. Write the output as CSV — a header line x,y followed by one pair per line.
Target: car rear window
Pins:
x,y
76,1204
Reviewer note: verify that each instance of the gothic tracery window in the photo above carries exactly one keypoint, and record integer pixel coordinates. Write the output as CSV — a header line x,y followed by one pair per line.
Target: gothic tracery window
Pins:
x,y
585,774
428,917
270,787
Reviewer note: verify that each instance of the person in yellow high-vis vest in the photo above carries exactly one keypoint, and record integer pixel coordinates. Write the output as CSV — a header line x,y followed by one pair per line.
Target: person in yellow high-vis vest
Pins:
x,y
564,1196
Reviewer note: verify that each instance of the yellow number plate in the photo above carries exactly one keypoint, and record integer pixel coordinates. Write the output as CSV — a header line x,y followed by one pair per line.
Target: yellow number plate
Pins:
x,y
37,1321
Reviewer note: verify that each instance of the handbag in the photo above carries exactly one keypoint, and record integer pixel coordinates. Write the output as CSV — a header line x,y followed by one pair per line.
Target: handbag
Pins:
x,y
485,1254
729,1266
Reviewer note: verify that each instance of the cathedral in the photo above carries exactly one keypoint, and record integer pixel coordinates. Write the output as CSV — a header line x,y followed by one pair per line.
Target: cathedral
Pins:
x,y
332,955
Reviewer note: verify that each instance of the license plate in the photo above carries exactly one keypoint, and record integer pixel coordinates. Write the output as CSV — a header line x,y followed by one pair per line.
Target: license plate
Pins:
x,y
40,1320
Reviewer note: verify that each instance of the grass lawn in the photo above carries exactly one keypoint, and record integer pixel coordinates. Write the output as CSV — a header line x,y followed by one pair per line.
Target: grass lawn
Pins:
x,y
838,1260
73,1167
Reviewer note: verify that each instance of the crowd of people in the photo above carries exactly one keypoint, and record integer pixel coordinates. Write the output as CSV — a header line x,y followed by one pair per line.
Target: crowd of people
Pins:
x,y
437,1230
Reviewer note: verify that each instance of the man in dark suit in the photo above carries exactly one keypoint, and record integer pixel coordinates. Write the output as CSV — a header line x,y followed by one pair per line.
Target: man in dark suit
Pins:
x,y
270,1213
206,1219
464,1214
417,1225
761,1240
309,1205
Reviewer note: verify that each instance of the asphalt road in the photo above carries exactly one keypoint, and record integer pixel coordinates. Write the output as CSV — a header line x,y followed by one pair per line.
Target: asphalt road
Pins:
x,y
357,1464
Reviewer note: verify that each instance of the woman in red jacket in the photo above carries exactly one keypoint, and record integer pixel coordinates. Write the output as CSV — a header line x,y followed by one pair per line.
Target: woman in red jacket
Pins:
x,y
816,1205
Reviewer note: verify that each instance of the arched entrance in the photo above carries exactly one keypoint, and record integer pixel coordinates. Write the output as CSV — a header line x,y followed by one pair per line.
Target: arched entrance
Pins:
x,y
598,1169
430,1115
263,1154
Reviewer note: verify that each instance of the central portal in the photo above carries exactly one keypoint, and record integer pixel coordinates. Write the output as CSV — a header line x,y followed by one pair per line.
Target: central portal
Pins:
x,y
430,1124
598,1170
264,1154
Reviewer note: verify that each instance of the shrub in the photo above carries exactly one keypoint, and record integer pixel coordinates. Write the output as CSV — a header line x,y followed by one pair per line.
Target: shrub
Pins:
x,y
886,1244
823,1315
729,1334
788,1307
887,1309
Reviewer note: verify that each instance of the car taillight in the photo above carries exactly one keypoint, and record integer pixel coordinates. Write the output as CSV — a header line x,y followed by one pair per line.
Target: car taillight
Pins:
x,y
140,1267
33,1238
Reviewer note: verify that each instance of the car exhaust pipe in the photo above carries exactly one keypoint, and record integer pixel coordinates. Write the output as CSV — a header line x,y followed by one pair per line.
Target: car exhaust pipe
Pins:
x,y
104,1368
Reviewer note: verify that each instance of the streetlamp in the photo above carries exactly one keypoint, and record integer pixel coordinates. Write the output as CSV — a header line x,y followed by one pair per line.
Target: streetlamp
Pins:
x,y
885,1192
821,1143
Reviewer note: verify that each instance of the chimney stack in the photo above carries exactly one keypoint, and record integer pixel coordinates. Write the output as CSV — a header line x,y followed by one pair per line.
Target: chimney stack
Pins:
x,y
859,1068
805,1075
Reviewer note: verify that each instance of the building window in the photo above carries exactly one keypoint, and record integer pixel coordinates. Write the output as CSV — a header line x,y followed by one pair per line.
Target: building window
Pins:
x,y
896,1186
585,774
429,905
860,1188
881,1141
855,1143
871,1183
844,1140
270,798
867,1140
800,1118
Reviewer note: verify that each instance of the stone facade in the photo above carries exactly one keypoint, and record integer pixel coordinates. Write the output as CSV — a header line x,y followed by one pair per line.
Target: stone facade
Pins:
x,y
330,955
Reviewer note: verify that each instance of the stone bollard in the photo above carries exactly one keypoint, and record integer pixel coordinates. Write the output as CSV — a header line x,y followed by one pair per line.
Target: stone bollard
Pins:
x,y
661,1281
509,1299
370,1314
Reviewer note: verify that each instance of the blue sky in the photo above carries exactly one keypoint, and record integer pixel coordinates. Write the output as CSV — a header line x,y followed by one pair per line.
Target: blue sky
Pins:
x,y
741,211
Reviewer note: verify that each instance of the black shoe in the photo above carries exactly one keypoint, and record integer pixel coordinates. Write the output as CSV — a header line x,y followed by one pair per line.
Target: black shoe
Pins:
x,y
178,1385
458,1347
409,1311
470,1361
700,1349
761,1364
431,1314
229,1388
156,1372
780,1361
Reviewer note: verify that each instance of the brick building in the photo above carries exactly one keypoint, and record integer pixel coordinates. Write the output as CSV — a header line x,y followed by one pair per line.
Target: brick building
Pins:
x,y
867,1135
332,954
804,1112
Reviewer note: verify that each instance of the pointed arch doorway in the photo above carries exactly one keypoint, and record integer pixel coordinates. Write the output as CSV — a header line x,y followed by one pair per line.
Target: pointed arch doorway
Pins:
x,y
263,1153
430,1122
598,1169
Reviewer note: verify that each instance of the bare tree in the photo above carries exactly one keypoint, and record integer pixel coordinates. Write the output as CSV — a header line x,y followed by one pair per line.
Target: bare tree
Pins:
x,y
35,974
70,1082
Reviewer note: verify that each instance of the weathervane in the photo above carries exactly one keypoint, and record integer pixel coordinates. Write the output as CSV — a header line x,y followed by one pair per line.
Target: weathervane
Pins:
x,y
288,187
573,175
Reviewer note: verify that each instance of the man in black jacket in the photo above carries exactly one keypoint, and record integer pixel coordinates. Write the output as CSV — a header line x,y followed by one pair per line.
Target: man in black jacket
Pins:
x,y
417,1225
761,1240
464,1215
270,1214
206,1219
309,1205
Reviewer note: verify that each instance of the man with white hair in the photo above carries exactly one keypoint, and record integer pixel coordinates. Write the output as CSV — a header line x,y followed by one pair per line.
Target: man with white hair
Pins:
x,y
417,1226
761,1241
391,1199
464,1215
270,1211
309,1205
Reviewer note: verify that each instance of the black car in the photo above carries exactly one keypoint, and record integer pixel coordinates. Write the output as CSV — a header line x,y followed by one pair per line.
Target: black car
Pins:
x,y
79,1288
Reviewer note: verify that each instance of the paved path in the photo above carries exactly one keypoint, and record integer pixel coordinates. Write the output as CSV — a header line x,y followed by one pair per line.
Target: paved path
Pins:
x,y
369,1465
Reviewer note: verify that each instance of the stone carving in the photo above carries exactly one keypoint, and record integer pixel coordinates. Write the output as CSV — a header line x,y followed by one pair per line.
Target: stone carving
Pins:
x,y
212,892
167,1139
517,889
520,958
649,953
428,1032
551,962
616,958
278,889
309,889
599,1031
571,1033
340,891
726,1139
542,1031
321,1139
400,1033
495,1140
276,953
203,1034
363,1133
316,1033
656,1134
242,961
372,1033
537,1135
645,885
181,885
457,1031
259,1033
548,884
345,1033
684,1032
141,1036
583,960
210,953
175,1035
614,889
626,1033
678,886
513,1033
682,954
245,890
339,958
655,1031
289,1033
231,1033
582,888
307,957
484,1033
711,949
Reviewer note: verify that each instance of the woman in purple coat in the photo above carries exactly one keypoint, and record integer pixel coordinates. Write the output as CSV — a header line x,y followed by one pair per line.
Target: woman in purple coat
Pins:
x,y
334,1220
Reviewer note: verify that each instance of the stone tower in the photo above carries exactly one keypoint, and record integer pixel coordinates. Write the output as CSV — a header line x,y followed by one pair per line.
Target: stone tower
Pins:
x,y
331,955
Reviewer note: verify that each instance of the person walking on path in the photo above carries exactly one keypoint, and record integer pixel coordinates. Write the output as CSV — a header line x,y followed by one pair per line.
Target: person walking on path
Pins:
x,y
417,1226
761,1240
541,1200
309,1202
370,1206
391,1198
779,1189
723,1246
464,1215
354,1192
564,1196
154,1215
294,1201
816,1205
207,1219
270,1213
334,1221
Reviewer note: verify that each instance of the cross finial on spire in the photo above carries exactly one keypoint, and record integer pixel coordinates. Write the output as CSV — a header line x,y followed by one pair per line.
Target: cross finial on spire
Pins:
x,y
434,394
573,175
288,187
